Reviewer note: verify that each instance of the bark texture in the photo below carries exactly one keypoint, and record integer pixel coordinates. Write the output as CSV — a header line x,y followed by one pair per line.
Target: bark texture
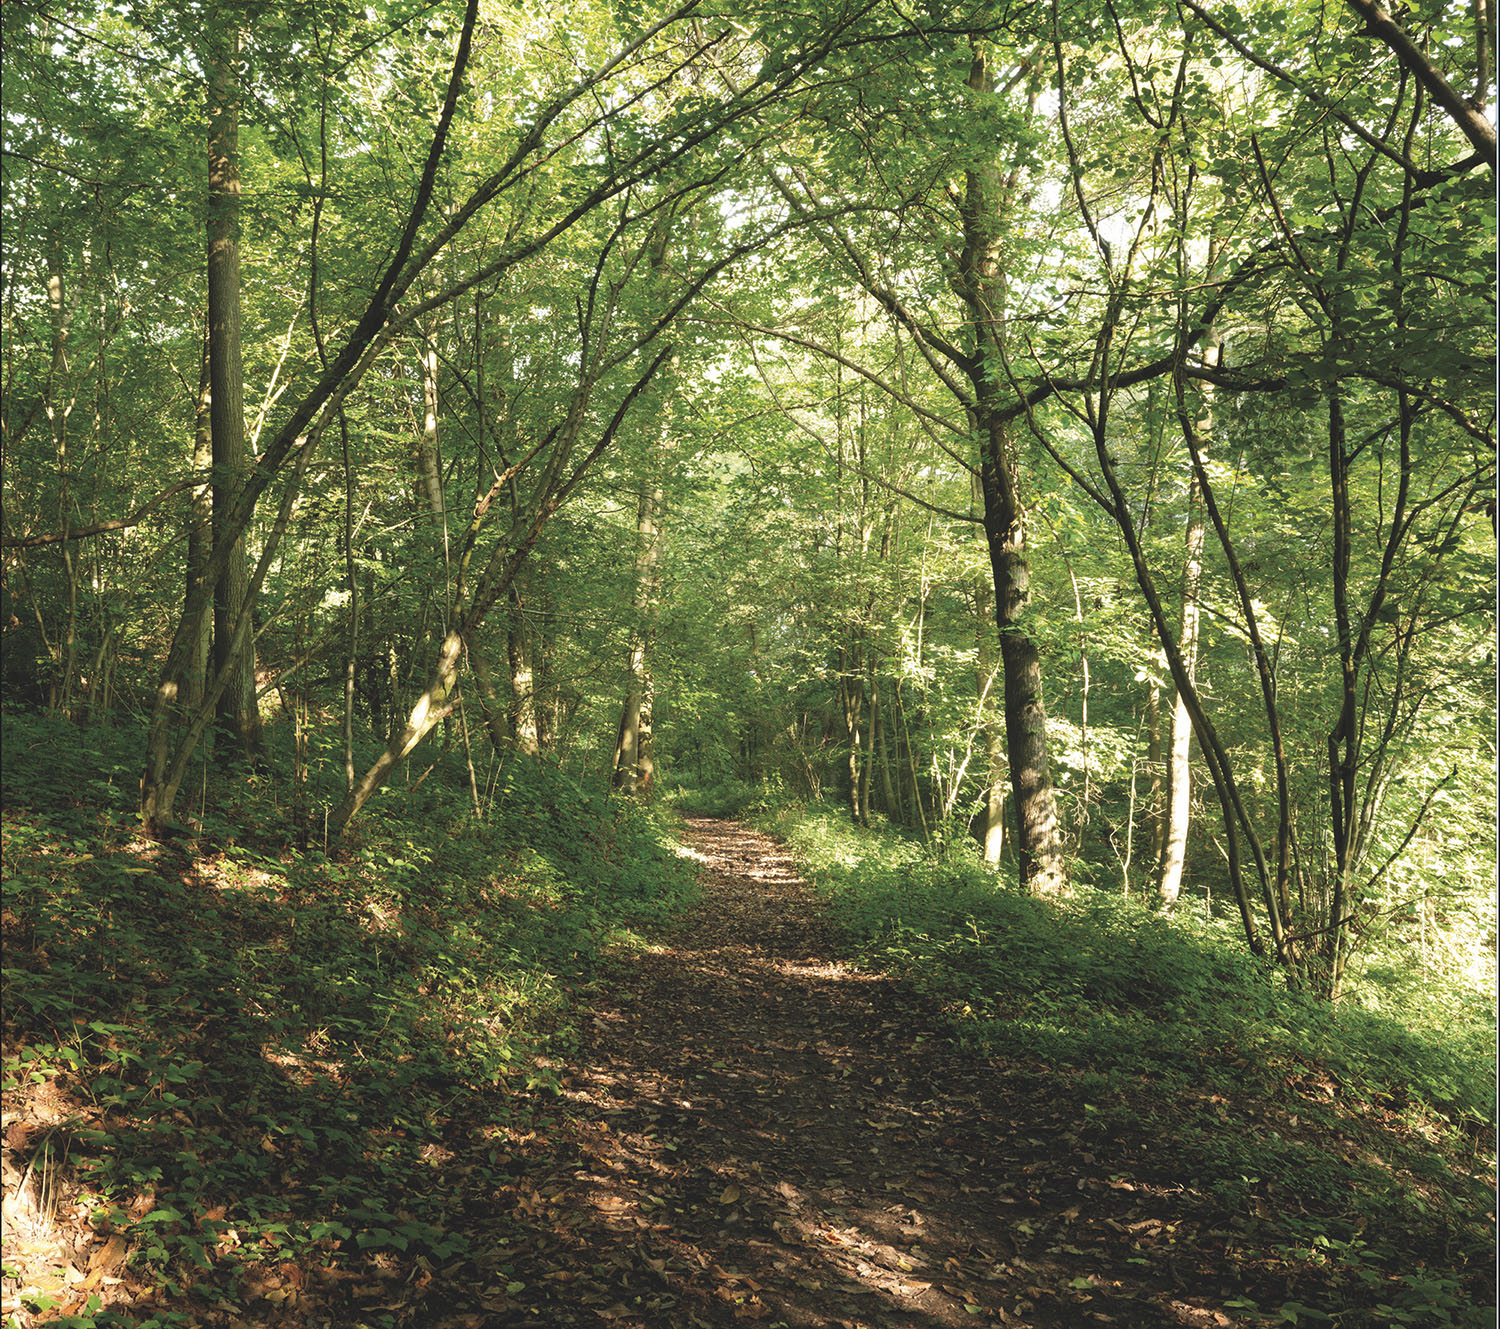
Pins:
x,y
238,716
981,285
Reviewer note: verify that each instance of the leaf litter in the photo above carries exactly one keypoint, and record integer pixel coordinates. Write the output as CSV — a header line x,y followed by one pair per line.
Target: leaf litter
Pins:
x,y
750,1129
754,1130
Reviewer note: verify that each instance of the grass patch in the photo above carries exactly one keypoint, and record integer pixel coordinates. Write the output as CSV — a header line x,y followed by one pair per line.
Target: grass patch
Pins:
x,y
229,1059
1361,1140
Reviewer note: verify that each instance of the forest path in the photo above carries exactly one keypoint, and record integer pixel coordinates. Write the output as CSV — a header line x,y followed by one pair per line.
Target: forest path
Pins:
x,y
755,1131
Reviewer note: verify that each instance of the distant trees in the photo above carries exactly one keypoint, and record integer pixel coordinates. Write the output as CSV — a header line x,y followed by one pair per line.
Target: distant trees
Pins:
x,y
918,409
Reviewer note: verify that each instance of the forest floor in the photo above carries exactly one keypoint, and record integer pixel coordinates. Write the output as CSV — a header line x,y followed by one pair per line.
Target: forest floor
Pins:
x,y
757,1132
746,1128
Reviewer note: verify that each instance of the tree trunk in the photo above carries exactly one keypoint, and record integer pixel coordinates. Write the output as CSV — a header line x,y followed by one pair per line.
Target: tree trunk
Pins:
x,y
632,744
981,285
1179,770
992,826
890,804
1155,811
238,713
522,710
200,536
1038,840
59,408
351,641
851,695
1179,774
868,758
429,466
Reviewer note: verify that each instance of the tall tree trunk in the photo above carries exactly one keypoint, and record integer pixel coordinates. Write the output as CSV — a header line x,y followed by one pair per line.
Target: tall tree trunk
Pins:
x,y
238,713
1344,738
429,465
890,804
351,577
981,285
992,827
632,744
429,493
634,762
496,715
1156,822
59,408
851,697
200,534
1179,774
1038,837
523,708
867,760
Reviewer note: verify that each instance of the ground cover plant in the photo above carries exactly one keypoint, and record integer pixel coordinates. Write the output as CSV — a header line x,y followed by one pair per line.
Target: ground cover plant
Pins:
x,y
1362,1139
442,440
254,1071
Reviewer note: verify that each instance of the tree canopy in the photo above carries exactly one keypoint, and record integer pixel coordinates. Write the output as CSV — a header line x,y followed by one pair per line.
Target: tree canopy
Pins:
x,y
809,308
1061,434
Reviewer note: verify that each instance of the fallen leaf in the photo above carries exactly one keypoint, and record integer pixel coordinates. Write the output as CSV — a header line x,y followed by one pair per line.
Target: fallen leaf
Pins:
x,y
17,1134
105,1260
730,1195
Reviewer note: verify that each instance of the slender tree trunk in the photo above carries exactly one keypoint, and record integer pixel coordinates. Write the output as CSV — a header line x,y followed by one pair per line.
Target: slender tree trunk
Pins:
x,y
238,712
200,535
59,408
1155,809
992,828
1179,775
351,641
890,804
867,760
632,745
428,462
495,714
1343,739
429,492
851,697
523,709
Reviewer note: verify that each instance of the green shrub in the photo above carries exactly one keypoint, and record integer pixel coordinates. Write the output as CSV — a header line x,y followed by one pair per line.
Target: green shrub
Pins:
x,y
235,1012
1122,996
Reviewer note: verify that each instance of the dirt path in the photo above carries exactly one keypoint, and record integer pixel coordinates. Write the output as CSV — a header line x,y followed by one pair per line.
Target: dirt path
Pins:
x,y
757,1132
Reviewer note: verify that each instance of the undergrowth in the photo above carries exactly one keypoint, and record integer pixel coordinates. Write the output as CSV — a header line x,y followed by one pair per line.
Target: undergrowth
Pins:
x,y
1366,1136
230,1053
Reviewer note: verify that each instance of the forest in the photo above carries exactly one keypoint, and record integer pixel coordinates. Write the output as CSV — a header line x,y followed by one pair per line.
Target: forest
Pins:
x,y
907,566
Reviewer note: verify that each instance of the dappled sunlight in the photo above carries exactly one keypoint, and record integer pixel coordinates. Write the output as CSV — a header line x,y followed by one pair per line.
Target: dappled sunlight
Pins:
x,y
759,1130
343,1089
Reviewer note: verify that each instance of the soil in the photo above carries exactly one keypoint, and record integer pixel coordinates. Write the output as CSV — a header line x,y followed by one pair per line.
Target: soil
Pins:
x,y
757,1131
